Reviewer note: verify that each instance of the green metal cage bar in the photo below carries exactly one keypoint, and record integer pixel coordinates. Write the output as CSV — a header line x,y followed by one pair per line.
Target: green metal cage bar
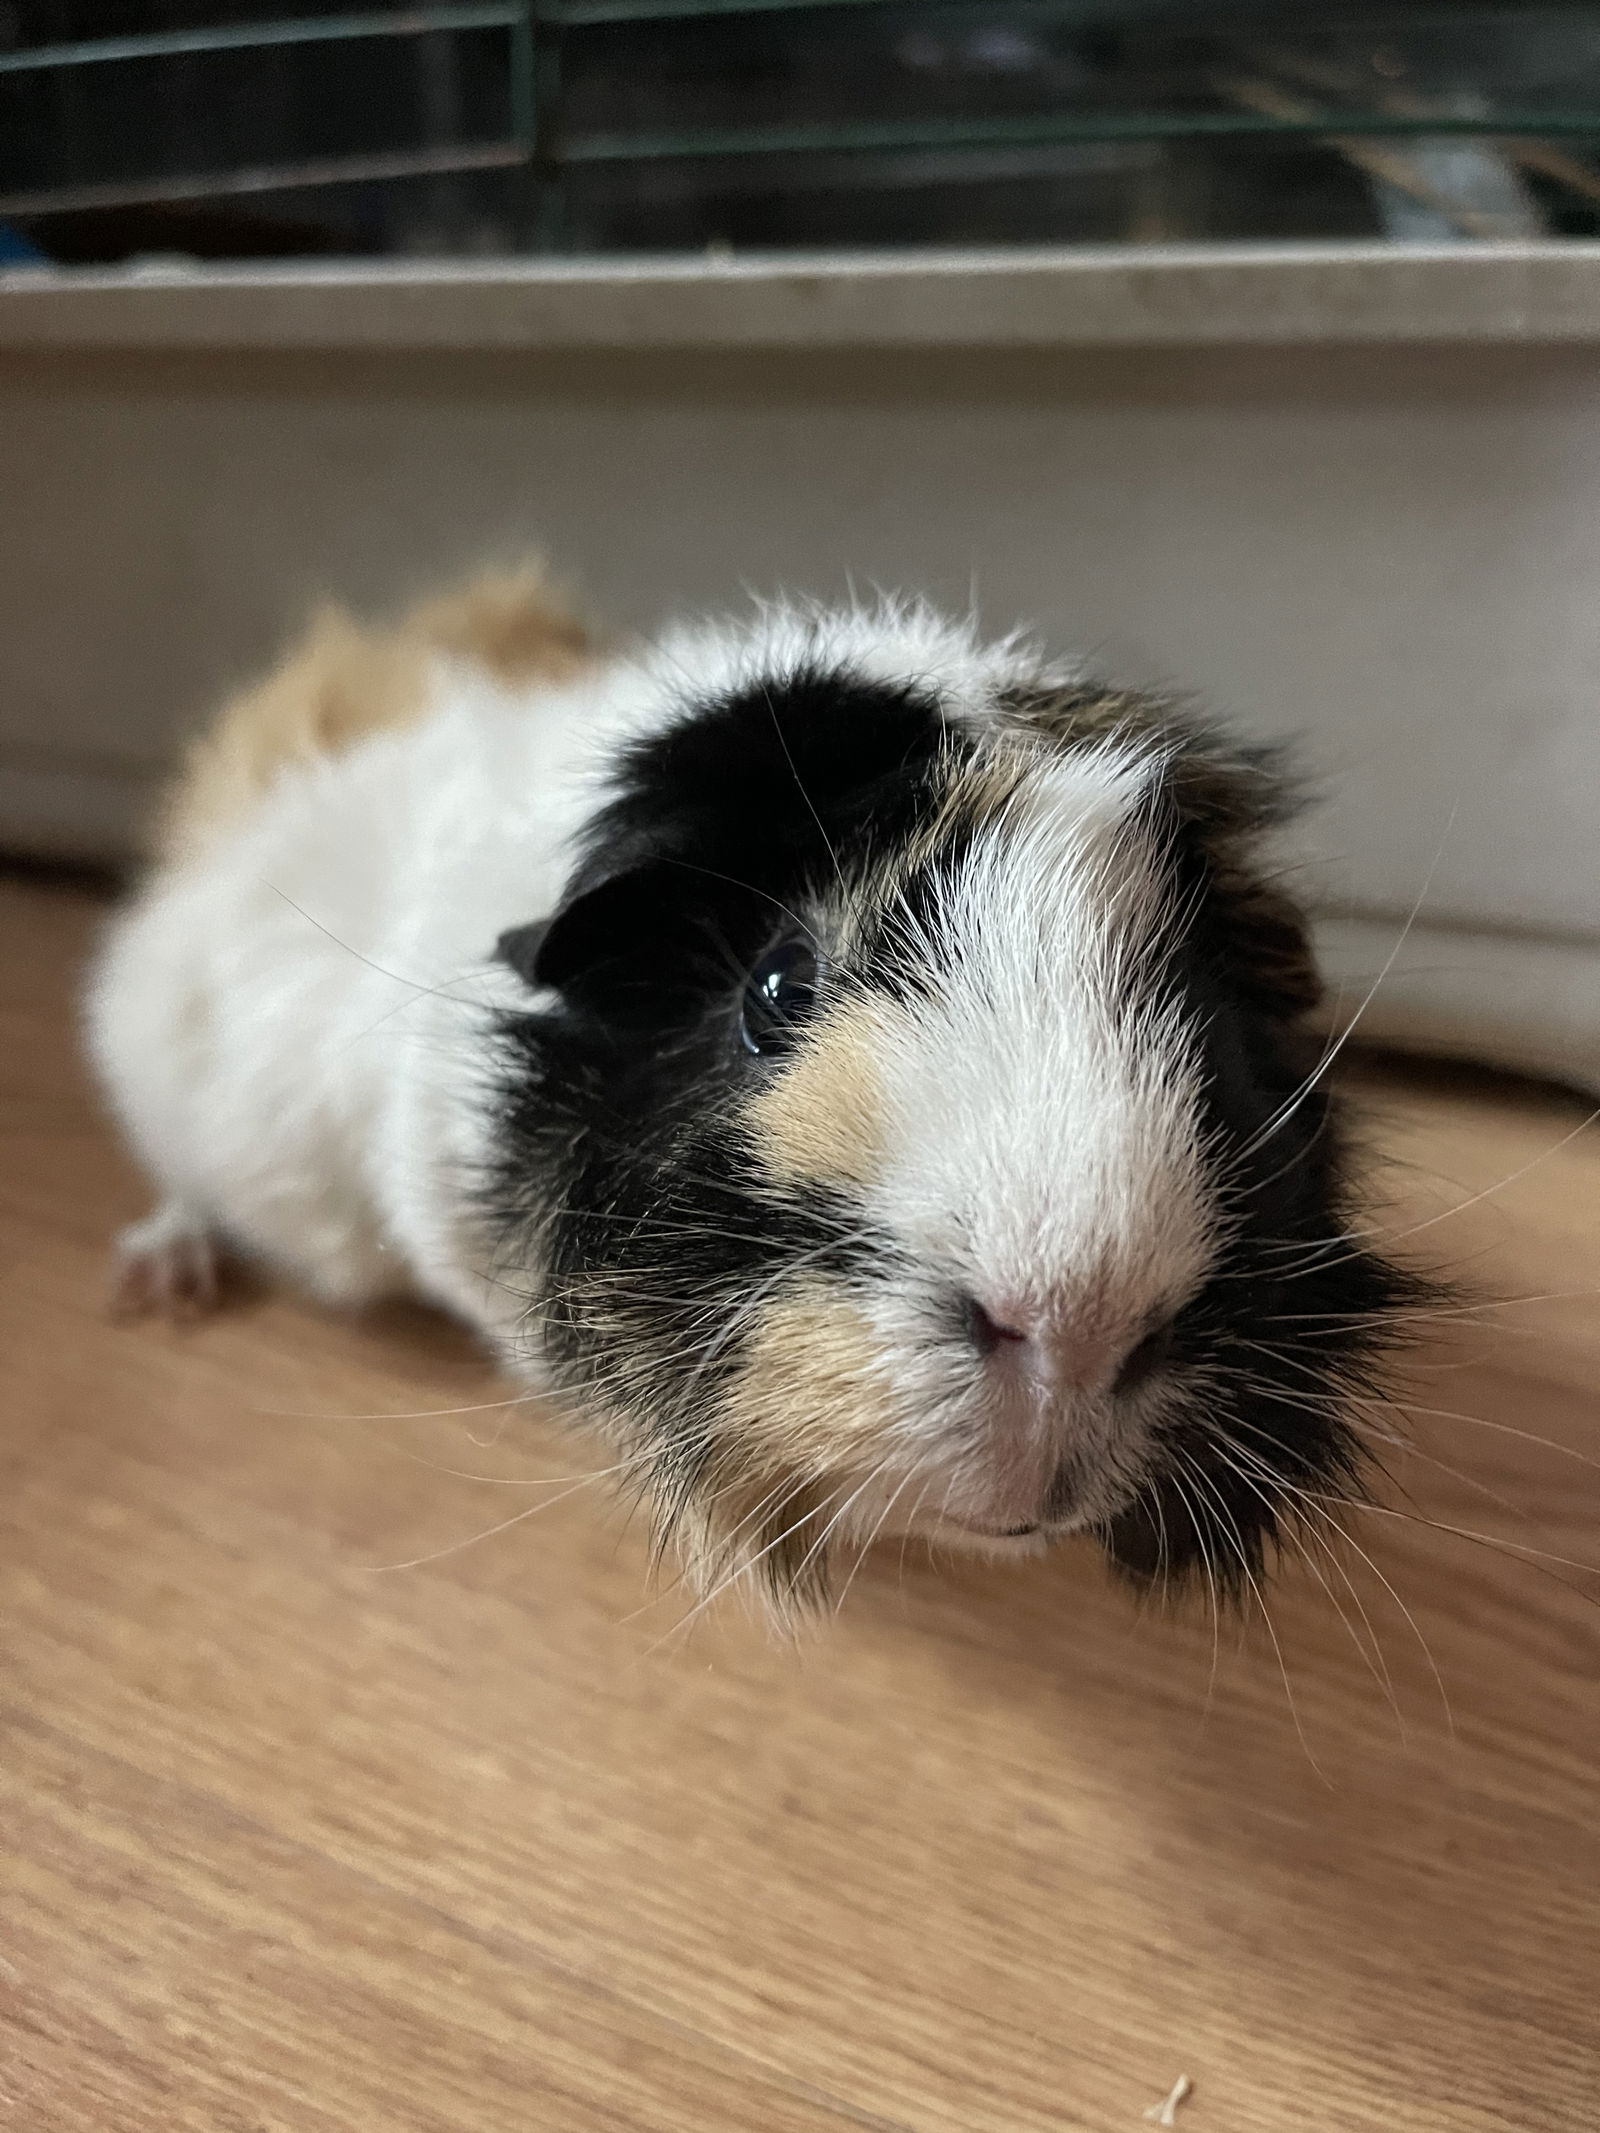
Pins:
x,y
249,36
450,15
1054,131
1089,13
583,14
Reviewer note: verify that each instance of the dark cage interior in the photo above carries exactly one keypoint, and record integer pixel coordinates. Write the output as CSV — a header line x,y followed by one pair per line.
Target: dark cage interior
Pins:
x,y
495,127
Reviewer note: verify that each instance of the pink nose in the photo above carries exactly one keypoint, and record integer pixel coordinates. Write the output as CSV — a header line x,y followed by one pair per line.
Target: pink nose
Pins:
x,y
1063,1356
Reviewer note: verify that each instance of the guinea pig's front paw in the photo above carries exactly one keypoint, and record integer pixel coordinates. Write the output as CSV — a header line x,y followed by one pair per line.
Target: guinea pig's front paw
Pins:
x,y
167,1266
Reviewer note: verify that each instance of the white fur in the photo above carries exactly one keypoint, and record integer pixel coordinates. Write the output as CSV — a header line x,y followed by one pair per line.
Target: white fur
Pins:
x,y
291,1025
1043,1148
1039,1041
897,640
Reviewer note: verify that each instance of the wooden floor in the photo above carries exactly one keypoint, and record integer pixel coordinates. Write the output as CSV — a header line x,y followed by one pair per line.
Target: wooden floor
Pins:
x,y
291,1837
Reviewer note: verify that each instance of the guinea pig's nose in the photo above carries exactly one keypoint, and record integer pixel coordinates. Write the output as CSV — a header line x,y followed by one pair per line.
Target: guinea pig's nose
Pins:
x,y
1059,1353
991,1330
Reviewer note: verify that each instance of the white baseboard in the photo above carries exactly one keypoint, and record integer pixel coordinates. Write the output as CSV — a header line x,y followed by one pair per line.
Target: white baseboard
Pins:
x,y
80,815
1525,1003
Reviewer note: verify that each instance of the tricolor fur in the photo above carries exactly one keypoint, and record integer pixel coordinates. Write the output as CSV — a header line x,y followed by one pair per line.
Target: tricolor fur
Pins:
x,y
1021,1210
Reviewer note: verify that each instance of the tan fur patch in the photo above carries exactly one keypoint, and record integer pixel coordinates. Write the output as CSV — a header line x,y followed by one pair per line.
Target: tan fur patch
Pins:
x,y
762,1532
346,680
510,621
802,1424
801,1421
813,1386
822,1118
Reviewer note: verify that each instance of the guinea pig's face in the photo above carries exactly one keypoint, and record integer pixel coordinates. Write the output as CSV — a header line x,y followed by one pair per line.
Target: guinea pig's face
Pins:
x,y
913,1133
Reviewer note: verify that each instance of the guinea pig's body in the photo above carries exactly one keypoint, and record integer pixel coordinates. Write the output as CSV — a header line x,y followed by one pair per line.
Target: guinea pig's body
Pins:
x,y
859,1069
291,1019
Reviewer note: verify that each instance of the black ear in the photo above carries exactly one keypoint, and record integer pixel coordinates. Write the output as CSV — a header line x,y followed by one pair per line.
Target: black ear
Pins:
x,y
623,923
519,949
1275,965
1224,798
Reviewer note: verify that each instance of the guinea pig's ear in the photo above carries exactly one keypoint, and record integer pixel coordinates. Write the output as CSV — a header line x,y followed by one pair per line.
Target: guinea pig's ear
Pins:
x,y
519,949
1226,799
1270,946
614,921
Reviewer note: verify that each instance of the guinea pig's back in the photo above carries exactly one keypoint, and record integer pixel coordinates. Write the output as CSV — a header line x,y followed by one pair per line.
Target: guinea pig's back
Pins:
x,y
346,680
320,924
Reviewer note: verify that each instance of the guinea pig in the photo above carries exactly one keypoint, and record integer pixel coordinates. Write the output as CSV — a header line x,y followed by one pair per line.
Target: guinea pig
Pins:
x,y
861,1071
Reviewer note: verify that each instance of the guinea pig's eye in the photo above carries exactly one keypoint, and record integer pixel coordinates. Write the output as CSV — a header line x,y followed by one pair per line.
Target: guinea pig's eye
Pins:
x,y
778,996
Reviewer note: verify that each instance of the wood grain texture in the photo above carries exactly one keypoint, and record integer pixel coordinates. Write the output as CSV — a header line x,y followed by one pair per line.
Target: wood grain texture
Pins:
x,y
293,1840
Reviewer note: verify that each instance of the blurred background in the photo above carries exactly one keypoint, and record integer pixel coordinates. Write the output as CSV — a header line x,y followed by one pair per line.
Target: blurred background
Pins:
x,y
1250,348
498,127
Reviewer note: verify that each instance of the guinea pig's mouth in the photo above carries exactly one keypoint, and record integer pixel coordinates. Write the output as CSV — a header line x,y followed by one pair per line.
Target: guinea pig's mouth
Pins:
x,y
1080,1496
991,1543
1056,1521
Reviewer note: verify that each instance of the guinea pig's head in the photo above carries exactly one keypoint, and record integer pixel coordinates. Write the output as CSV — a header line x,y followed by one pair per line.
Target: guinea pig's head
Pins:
x,y
914,1130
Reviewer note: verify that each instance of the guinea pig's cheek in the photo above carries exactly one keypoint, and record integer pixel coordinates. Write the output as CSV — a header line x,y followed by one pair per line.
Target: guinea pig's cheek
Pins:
x,y
822,1118
814,1392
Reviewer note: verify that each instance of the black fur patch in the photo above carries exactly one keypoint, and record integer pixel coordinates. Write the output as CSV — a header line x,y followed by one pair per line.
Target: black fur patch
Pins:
x,y
1297,1316
651,1217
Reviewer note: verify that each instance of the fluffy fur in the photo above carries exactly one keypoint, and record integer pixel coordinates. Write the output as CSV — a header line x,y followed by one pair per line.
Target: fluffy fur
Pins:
x,y
346,681
860,1068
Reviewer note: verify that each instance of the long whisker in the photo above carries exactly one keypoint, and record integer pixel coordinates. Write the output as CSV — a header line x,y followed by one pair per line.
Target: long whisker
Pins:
x,y
1504,1429
1375,1236
1485,1540
827,841
742,1569
394,976
823,1537
691,866
1197,1526
1330,1054
1250,1577
1544,1155
416,1562
870,1542
1350,1411
1373,1659
402,1414
1314,1505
